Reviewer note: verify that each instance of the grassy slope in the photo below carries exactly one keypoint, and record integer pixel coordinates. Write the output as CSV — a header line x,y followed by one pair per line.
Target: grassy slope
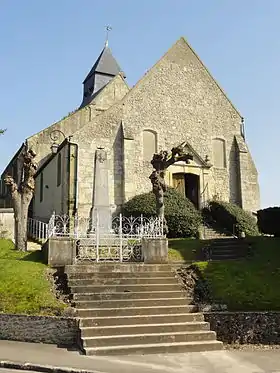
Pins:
x,y
251,284
24,287
183,249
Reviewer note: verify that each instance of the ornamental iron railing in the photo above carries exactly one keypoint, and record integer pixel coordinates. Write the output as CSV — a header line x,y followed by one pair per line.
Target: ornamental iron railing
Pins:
x,y
98,239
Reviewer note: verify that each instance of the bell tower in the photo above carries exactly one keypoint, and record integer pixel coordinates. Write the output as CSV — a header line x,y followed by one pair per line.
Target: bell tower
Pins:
x,y
104,69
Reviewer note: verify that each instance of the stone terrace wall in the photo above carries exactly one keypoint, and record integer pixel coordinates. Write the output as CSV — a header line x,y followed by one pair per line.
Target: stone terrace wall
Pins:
x,y
246,327
7,223
39,329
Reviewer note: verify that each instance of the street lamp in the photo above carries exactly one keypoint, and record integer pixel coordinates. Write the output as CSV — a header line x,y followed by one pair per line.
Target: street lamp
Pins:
x,y
54,136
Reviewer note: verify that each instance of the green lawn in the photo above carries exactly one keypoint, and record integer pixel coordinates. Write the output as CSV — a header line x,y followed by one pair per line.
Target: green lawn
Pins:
x,y
184,249
24,288
250,284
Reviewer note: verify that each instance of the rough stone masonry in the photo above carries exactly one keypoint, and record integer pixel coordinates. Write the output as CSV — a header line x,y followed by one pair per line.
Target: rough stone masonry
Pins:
x,y
176,101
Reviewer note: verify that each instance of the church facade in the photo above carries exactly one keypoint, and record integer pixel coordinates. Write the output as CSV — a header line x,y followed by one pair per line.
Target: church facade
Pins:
x,y
176,102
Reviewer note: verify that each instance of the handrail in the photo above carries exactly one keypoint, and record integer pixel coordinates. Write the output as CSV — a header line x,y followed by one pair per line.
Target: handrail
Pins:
x,y
37,230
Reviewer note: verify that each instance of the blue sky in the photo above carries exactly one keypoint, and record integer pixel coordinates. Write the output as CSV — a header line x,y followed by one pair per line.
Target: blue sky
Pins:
x,y
48,46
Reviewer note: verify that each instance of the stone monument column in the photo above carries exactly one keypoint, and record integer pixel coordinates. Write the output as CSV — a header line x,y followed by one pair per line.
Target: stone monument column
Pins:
x,y
101,211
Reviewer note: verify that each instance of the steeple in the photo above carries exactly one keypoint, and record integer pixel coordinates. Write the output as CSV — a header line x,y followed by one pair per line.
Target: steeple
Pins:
x,y
104,69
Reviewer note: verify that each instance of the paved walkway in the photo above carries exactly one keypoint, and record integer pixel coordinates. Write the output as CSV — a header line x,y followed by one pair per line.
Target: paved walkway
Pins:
x,y
261,361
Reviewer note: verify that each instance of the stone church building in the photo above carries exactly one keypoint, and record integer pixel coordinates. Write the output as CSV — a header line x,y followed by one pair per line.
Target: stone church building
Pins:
x,y
177,101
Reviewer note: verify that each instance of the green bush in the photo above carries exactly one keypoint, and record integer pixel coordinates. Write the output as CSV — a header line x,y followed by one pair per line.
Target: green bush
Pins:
x,y
183,220
233,218
269,221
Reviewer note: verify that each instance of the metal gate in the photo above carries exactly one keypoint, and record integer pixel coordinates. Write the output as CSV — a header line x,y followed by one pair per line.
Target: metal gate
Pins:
x,y
121,241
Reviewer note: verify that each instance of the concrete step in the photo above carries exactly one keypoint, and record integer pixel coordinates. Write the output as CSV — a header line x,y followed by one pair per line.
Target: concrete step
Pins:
x,y
117,267
129,295
156,348
124,288
149,338
134,311
101,275
133,303
144,329
136,320
122,281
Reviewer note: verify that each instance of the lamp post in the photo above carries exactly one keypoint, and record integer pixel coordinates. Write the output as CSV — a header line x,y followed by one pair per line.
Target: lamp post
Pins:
x,y
54,136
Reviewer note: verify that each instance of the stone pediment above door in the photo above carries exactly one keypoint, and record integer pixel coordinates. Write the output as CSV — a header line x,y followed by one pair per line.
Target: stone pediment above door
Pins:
x,y
198,160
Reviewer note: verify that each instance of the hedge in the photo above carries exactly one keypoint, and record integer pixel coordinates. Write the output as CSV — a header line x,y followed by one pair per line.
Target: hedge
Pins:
x,y
183,220
269,221
233,218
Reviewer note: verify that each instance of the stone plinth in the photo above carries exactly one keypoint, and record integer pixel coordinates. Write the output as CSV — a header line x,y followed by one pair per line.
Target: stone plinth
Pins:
x,y
59,251
155,250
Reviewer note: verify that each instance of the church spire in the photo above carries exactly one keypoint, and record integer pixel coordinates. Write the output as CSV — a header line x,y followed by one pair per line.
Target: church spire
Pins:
x,y
104,70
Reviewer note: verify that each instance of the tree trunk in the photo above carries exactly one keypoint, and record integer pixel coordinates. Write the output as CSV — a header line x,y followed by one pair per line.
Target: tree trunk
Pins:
x,y
21,234
21,216
160,204
22,193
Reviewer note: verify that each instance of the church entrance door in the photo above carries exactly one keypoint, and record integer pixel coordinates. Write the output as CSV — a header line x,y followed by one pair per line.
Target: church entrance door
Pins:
x,y
188,185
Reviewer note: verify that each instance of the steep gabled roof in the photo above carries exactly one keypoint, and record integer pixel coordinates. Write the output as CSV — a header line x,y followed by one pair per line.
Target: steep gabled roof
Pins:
x,y
105,64
181,42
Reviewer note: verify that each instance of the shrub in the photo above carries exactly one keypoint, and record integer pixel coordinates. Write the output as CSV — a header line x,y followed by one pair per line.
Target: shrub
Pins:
x,y
269,221
183,220
233,218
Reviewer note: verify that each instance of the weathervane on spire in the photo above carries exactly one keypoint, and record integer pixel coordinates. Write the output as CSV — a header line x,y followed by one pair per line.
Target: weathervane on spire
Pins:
x,y
108,29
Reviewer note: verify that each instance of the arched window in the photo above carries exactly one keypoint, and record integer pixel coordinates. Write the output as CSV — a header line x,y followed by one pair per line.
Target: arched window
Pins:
x,y
58,176
219,153
149,144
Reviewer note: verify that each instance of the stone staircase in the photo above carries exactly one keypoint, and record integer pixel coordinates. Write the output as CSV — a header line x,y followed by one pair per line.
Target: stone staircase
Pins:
x,y
136,309
222,245
228,248
210,233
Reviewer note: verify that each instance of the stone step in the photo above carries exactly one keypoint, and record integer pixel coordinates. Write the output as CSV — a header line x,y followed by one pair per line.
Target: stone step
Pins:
x,y
134,311
226,257
144,329
228,252
156,348
122,281
129,295
124,288
233,243
117,267
101,275
133,303
136,320
150,338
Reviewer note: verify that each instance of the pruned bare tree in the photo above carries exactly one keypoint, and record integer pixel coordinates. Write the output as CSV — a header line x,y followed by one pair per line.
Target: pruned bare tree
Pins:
x,y
22,191
160,162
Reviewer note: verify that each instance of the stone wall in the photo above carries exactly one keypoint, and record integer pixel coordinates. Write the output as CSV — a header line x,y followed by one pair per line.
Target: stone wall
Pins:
x,y
245,327
54,197
7,223
178,101
39,329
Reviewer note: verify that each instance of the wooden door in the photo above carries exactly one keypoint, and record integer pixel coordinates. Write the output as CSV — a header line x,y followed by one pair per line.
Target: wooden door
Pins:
x,y
179,183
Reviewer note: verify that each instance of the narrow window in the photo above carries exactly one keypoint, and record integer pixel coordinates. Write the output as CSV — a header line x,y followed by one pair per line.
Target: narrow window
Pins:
x,y
58,176
149,144
41,187
219,153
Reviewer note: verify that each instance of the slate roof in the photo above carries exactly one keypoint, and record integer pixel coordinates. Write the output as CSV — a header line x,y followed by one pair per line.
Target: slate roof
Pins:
x,y
105,64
